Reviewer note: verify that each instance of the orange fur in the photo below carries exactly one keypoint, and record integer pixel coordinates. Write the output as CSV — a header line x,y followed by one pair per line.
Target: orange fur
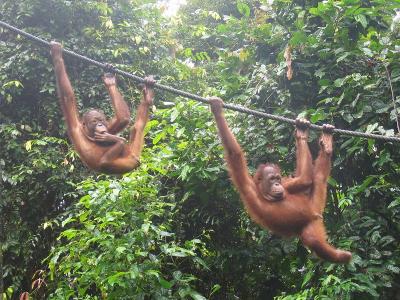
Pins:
x,y
299,211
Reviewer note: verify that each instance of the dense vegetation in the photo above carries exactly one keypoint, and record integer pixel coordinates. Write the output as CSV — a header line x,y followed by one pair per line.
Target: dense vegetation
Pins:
x,y
175,227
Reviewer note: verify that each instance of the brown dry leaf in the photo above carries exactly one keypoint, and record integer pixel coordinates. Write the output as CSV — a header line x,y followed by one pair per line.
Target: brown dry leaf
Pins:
x,y
37,284
288,57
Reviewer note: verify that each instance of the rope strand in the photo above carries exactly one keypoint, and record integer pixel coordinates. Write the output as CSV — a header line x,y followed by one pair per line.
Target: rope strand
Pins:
x,y
196,97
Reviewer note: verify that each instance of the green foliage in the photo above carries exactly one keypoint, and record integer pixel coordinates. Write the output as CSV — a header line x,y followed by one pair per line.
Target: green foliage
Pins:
x,y
175,227
117,242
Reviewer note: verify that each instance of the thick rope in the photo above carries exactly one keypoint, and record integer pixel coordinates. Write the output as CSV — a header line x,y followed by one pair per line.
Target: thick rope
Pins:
x,y
196,97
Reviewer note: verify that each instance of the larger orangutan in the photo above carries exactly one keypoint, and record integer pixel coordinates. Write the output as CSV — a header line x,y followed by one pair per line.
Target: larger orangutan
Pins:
x,y
288,206
93,136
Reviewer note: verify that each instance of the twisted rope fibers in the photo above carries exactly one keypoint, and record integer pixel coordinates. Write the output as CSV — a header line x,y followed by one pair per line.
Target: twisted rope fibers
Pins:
x,y
196,97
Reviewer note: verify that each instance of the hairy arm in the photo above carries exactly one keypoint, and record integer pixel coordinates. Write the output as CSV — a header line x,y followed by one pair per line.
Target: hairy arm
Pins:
x,y
136,138
121,109
233,153
237,165
303,175
64,88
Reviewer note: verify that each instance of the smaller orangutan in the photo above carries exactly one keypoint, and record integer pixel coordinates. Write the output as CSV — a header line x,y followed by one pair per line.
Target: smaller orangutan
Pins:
x,y
94,137
288,206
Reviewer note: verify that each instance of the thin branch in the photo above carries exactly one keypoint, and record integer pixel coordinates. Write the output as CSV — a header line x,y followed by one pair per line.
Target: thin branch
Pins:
x,y
393,98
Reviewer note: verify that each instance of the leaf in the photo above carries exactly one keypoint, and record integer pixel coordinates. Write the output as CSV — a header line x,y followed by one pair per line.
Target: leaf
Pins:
x,y
116,277
138,39
196,296
165,284
393,269
145,227
298,38
332,181
201,262
339,82
215,15
243,54
243,8
368,52
185,171
343,57
362,20
178,254
28,146
70,233
109,24
371,127
394,203
120,249
307,278
215,288
15,83
155,273
67,220
174,114
158,137
319,73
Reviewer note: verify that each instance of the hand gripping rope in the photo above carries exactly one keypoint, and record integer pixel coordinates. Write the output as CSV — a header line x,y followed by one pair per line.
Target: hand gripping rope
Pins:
x,y
196,97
